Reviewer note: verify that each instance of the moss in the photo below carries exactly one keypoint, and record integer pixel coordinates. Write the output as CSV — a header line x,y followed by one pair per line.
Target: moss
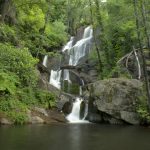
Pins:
x,y
148,62
74,89
71,88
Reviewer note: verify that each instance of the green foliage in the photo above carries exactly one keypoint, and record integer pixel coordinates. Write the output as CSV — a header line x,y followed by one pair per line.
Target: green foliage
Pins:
x,y
29,21
36,97
117,72
74,89
56,32
142,108
20,62
27,96
8,83
70,88
14,109
16,106
45,99
18,79
8,34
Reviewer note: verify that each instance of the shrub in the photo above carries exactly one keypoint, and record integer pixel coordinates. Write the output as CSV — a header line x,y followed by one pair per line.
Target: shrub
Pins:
x,y
20,62
14,109
8,83
45,99
8,34
142,108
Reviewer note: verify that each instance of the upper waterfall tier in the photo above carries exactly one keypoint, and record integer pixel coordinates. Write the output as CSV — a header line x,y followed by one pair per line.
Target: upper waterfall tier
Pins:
x,y
75,53
81,48
68,45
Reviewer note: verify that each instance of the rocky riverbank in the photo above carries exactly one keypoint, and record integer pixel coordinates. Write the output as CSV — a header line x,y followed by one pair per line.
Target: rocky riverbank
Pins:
x,y
37,115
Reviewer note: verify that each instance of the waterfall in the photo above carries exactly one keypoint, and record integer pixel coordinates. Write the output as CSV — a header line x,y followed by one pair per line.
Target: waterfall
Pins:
x,y
86,111
80,88
68,45
55,78
75,52
45,60
74,116
66,75
80,49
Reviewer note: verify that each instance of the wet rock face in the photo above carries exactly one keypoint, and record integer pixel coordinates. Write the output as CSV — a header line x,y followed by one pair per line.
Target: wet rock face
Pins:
x,y
67,107
82,110
117,98
64,102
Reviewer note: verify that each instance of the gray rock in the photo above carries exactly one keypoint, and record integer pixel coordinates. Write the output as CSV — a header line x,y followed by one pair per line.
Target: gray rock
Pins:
x,y
36,120
117,98
94,117
41,110
5,121
130,117
63,99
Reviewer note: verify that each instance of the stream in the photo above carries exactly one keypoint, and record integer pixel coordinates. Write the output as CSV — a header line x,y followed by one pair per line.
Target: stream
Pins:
x,y
74,137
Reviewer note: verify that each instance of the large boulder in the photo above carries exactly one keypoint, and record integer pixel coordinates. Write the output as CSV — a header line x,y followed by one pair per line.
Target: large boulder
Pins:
x,y
117,98
65,103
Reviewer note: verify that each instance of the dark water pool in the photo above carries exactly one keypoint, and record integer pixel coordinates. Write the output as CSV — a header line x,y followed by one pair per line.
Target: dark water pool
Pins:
x,y
74,137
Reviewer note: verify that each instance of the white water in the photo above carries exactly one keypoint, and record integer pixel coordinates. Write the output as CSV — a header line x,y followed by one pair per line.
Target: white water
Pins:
x,y
66,75
79,49
86,111
45,60
76,52
68,45
55,78
80,88
74,116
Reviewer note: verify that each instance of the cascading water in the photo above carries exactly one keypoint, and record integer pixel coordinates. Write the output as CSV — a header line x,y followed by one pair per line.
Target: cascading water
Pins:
x,y
68,45
75,52
45,60
80,88
66,75
55,78
80,49
74,116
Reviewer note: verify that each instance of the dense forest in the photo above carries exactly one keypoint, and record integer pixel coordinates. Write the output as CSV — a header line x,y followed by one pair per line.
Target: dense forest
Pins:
x,y
30,29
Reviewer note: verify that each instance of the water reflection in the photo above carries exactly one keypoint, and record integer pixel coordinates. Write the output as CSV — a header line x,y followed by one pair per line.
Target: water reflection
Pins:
x,y
74,137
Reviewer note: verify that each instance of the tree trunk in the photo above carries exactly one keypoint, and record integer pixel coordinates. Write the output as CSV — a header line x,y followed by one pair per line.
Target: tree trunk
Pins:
x,y
141,51
42,30
142,7
97,49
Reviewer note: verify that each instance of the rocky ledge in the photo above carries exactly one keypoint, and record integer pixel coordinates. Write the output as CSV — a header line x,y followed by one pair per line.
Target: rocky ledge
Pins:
x,y
38,116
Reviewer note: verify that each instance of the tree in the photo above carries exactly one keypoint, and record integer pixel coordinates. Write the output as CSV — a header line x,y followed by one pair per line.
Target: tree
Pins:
x,y
135,3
